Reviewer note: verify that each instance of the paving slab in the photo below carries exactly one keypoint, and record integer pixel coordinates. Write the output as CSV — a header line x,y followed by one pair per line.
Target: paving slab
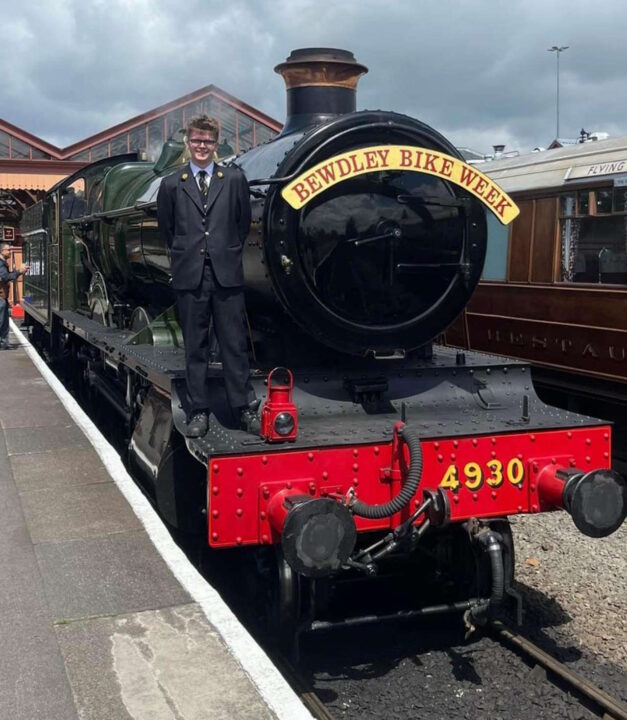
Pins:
x,y
83,511
42,439
33,682
103,576
57,469
19,365
6,474
141,666
17,412
21,586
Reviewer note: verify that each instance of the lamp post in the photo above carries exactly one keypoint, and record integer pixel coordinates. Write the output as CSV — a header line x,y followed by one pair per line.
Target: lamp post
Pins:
x,y
557,49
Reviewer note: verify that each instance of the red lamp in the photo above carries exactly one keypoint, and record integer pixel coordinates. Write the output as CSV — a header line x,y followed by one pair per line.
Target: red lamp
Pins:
x,y
279,416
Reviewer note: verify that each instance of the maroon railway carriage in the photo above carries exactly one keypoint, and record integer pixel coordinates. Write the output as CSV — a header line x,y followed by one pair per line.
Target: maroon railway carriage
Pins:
x,y
382,457
554,289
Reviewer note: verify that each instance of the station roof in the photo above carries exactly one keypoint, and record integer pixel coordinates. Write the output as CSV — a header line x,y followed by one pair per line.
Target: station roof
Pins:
x,y
57,153
29,165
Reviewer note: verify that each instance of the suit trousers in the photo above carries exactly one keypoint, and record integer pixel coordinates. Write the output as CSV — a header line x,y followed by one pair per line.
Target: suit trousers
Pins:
x,y
4,320
225,306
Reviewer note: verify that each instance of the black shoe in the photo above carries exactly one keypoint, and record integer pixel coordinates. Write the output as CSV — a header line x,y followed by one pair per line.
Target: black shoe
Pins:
x,y
249,418
197,425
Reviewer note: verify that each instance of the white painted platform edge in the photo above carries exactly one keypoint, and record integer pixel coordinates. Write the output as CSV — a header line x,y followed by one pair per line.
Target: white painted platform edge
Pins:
x,y
272,686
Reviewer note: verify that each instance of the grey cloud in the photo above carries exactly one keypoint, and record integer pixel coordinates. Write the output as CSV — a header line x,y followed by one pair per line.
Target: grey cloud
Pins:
x,y
478,71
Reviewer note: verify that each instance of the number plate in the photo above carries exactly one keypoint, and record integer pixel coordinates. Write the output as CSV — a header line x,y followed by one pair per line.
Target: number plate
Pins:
x,y
474,475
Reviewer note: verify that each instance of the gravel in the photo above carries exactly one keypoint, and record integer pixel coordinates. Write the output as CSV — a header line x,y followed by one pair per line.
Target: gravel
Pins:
x,y
574,587
410,673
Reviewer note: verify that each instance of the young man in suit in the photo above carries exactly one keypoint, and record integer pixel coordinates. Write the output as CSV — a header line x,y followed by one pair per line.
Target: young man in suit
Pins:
x,y
6,276
204,217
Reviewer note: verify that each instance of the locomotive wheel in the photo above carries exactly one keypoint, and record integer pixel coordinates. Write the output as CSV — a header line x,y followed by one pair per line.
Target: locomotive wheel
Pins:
x,y
288,591
99,312
284,610
98,299
140,319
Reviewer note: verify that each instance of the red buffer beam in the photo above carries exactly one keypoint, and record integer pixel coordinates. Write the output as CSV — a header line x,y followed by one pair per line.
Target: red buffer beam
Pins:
x,y
482,476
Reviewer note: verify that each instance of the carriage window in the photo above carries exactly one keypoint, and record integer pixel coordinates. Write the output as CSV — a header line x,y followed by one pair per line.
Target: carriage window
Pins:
x,y
594,247
620,199
495,267
603,201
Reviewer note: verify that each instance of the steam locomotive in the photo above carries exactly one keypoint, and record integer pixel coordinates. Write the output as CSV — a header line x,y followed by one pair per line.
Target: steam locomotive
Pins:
x,y
381,453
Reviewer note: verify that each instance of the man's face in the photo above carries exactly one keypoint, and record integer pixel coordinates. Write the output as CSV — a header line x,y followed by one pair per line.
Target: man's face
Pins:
x,y
202,145
6,252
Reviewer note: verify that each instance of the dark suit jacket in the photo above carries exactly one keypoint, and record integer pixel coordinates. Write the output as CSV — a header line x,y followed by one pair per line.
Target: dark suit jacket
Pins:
x,y
184,225
6,276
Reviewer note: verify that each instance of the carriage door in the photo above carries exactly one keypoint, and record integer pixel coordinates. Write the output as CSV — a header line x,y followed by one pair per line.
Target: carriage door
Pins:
x,y
53,249
35,282
67,203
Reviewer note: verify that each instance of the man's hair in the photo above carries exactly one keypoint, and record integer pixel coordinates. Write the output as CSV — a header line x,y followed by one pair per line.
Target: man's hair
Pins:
x,y
204,123
4,245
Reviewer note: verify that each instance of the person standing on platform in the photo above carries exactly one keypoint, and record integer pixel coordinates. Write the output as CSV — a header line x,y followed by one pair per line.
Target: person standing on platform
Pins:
x,y
6,276
204,216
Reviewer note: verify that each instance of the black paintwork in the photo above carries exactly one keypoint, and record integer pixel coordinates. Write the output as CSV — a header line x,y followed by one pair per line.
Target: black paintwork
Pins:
x,y
379,263
440,397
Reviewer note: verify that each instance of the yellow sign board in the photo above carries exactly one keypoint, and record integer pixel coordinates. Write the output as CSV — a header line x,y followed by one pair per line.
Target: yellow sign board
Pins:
x,y
342,167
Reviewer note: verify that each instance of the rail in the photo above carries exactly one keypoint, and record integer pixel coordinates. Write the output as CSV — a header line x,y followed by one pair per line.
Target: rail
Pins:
x,y
302,688
607,707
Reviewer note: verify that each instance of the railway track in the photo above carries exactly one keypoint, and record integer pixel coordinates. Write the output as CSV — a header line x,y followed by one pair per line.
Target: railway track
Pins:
x,y
545,669
302,687
595,699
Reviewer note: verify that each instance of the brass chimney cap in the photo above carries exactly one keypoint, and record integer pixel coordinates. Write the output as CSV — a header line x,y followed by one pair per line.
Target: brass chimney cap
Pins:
x,y
321,67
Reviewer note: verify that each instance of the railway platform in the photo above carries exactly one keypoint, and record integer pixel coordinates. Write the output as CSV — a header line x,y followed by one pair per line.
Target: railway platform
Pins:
x,y
102,617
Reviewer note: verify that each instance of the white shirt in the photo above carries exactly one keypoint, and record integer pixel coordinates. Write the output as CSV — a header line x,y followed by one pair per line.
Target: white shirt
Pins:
x,y
195,169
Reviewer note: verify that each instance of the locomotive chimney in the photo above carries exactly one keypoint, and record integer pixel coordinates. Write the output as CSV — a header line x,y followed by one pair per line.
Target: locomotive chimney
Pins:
x,y
320,83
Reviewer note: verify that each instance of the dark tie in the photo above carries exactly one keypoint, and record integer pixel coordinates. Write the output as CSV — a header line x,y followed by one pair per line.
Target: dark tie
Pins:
x,y
204,185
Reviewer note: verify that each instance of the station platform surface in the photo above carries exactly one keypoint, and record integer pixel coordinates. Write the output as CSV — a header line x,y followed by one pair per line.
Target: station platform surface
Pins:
x,y
101,615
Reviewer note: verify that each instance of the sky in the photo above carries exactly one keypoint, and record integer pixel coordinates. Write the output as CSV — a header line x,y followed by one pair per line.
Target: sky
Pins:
x,y
476,70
